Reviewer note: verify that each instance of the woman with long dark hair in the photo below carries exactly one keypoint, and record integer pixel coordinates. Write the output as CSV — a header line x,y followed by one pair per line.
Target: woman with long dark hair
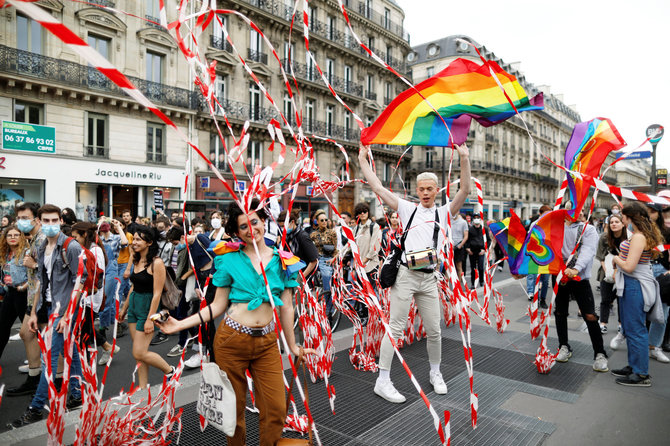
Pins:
x,y
661,268
638,291
14,286
148,280
246,337
609,242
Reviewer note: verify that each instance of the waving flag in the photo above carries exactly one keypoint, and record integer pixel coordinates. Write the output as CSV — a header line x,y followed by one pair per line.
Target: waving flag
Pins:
x,y
462,91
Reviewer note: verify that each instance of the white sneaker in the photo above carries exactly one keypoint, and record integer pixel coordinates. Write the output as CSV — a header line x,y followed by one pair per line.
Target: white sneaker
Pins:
x,y
24,368
16,337
657,354
175,351
106,355
385,389
564,354
600,364
617,341
194,361
438,383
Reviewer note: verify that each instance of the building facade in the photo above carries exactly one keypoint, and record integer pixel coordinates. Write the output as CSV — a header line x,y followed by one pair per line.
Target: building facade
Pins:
x,y
509,164
108,153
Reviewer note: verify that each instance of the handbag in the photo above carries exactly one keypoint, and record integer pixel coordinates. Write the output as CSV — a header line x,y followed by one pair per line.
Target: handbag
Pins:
x,y
664,284
426,258
297,441
389,270
609,268
328,250
171,294
216,400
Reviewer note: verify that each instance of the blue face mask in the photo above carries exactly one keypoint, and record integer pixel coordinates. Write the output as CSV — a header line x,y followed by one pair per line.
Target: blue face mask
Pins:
x,y
181,246
630,227
25,226
289,230
51,230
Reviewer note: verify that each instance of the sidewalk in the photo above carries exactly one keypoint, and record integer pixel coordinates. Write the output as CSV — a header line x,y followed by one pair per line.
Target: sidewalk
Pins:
x,y
573,405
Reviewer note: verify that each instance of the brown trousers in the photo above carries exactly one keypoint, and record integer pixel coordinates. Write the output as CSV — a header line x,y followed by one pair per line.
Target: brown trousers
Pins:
x,y
235,352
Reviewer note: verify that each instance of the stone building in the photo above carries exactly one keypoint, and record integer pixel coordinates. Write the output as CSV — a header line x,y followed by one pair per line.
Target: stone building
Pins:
x,y
510,167
107,153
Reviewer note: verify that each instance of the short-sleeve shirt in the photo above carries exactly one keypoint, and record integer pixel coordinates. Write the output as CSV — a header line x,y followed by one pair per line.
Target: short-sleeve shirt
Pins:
x,y
420,234
236,271
458,227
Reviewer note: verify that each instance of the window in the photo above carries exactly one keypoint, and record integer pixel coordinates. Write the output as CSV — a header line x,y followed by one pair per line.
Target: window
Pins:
x,y
220,92
430,71
367,9
96,135
288,109
254,102
371,87
387,171
219,27
28,35
311,13
347,125
330,120
429,159
371,43
153,9
255,157
330,70
309,115
388,93
348,75
101,45
332,27
311,69
389,54
368,121
217,152
28,112
289,53
256,42
349,41
387,18
156,143
154,67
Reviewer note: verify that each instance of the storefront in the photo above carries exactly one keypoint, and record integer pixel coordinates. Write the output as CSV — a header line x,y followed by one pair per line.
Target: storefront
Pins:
x,y
89,187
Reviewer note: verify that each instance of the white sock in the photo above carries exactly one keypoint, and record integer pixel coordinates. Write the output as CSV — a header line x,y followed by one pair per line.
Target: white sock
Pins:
x,y
384,375
435,367
34,372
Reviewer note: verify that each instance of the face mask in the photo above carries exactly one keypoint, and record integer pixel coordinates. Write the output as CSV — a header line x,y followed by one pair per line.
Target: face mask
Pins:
x,y
51,230
163,233
181,246
476,222
25,226
615,212
630,227
216,223
289,230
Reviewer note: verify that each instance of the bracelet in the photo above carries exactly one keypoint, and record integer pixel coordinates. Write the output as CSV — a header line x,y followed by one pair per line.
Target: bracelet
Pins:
x,y
202,321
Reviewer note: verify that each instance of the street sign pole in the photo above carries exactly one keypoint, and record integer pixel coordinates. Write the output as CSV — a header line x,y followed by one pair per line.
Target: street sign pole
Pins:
x,y
655,133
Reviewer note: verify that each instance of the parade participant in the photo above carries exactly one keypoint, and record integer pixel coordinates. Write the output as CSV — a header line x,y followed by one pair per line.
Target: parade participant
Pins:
x,y
127,218
609,244
28,223
216,222
578,287
341,238
246,338
123,272
148,280
460,233
531,279
6,221
14,286
637,290
475,249
112,243
391,232
325,241
57,270
299,243
426,230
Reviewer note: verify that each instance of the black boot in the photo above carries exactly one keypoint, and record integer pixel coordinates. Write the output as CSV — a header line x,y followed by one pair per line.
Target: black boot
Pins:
x,y
666,338
28,387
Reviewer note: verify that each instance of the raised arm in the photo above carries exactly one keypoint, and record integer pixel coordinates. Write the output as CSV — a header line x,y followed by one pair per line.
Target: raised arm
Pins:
x,y
375,183
464,190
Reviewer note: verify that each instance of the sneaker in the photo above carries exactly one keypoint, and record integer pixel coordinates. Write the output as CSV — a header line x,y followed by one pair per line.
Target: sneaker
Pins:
x,y
603,329
657,354
543,305
438,383
385,389
169,375
600,364
634,380
159,338
500,268
564,354
73,403
28,387
16,337
24,368
175,351
106,355
29,416
617,341
193,362
622,372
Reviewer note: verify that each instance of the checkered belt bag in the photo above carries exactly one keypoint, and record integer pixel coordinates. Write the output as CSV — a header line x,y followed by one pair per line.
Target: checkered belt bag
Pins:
x,y
251,331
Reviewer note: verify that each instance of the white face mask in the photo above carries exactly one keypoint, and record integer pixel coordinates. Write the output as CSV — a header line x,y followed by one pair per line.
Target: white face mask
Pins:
x,y
476,222
216,223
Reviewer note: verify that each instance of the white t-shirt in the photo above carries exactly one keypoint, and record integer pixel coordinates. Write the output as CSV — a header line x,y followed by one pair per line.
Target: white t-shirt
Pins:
x,y
100,260
420,234
49,266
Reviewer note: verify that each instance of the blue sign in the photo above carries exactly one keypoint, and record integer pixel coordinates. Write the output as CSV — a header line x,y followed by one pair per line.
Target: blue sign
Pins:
x,y
204,182
240,186
635,155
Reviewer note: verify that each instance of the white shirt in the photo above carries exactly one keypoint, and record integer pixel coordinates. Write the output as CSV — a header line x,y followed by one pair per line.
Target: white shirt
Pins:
x,y
100,260
420,234
48,265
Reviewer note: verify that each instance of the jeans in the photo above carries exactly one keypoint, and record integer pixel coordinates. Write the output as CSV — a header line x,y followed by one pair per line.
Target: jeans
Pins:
x,y
633,319
581,292
530,285
108,314
476,262
13,306
125,283
607,296
326,271
656,330
41,397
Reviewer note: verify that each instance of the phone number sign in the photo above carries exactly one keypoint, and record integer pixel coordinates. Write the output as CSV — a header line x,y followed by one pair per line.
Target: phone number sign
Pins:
x,y
28,137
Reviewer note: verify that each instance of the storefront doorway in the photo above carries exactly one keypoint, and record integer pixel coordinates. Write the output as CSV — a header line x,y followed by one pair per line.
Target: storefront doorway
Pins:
x,y
125,197
345,200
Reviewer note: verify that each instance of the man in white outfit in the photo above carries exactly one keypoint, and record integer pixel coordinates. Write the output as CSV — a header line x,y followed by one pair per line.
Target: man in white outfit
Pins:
x,y
416,279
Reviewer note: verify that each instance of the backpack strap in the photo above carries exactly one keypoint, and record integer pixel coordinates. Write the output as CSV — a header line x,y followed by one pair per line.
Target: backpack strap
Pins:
x,y
63,250
436,229
406,230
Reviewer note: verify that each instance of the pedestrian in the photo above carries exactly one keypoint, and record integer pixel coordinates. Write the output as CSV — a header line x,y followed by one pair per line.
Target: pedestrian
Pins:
x,y
28,223
608,245
246,338
637,290
14,283
7,220
342,240
325,241
390,233
299,243
459,233
124,267
57,269
113,238
425,226
368,238
476,251
531,279
660,267
148,281
577,286
216,222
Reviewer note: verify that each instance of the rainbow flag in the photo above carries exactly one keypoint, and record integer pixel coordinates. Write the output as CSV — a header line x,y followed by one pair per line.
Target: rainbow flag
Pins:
x,y
462,91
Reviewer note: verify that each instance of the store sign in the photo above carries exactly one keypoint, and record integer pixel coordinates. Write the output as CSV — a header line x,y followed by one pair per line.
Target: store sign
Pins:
x,y
240,186
158,199
309,191
204,182
28,137
662,177
128,173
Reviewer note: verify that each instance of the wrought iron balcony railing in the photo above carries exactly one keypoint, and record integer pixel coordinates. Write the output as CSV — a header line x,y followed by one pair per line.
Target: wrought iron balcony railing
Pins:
x,y
220,43
257,56
310,73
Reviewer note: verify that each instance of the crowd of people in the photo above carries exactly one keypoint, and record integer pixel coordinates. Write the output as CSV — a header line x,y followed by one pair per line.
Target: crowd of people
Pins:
x,y
40,248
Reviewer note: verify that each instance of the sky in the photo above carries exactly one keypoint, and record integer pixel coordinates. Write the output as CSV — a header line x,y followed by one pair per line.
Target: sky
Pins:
x,y
608,58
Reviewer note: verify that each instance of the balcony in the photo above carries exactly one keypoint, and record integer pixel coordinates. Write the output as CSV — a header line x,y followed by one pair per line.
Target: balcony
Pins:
x,y
96,152
47,69
105,3
370,95
381,20
310,73
387,100
154,22
156,158
257,56
220,43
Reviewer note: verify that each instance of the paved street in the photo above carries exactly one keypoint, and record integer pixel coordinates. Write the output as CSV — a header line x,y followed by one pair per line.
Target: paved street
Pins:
x,y
571,405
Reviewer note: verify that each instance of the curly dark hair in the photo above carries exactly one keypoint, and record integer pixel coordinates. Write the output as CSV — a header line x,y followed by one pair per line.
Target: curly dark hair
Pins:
x,y
90,233
151,236
640,219
360,208
234,211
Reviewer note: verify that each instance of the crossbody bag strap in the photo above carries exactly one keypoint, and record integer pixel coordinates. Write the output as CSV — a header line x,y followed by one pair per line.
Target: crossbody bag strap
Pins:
x,y
203,248
406,230
436,229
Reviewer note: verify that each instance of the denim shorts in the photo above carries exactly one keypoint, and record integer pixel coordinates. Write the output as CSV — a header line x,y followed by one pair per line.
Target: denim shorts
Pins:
x,y
138,309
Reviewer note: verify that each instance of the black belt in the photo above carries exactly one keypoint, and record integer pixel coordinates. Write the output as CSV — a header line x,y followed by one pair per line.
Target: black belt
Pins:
x,y
422,270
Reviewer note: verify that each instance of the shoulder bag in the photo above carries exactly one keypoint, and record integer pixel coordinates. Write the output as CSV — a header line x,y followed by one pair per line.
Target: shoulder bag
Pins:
x,y
216,400
391,265
171,294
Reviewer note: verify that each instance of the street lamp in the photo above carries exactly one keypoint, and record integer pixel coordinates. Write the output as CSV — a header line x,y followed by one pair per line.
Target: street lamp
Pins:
x,y
655,133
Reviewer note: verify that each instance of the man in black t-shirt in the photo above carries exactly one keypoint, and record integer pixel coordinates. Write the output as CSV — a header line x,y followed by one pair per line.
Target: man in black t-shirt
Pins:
x,y
299,241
